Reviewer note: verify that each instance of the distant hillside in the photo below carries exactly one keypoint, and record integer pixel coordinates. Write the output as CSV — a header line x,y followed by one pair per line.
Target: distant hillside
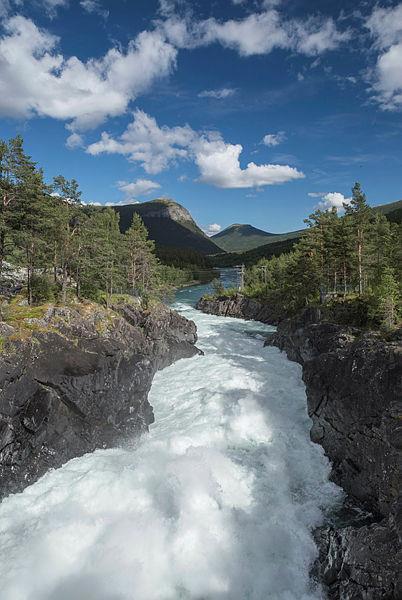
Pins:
x,y
169,224
274,248
240,238
392,211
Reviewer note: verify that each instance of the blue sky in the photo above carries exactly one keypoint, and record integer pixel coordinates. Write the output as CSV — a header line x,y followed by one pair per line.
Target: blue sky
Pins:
x,y
251,111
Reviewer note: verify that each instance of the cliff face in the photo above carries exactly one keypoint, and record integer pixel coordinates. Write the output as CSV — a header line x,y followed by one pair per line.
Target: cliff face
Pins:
x,y
79,382
354,393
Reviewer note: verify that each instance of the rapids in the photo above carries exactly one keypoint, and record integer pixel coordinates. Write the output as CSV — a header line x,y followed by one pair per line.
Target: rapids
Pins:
x,y
217,502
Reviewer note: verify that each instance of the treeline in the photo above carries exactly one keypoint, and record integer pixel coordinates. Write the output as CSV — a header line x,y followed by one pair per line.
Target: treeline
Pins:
x,y
67,247
351,264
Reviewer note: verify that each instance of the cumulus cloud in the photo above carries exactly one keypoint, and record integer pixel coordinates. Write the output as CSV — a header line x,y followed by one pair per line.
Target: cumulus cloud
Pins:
x,y
156,148
385,26
140,187
212,229
330,200
145,142
219,165
257,33
220,94
274,139
36,80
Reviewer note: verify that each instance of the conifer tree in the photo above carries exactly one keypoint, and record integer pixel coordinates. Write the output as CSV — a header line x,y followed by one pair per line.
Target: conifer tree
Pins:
x,y
67,223
141,261
358,214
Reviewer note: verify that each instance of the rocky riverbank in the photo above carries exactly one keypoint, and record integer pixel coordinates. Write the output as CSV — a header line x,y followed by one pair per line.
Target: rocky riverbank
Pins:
x,y
75,379
240,307
354,393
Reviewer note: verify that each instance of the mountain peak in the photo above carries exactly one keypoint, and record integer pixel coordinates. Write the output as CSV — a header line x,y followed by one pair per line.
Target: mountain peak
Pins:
x,y
168,224
240,237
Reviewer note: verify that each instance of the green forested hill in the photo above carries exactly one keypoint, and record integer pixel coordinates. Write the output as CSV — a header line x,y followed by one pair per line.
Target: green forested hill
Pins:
x,y
240,238
392,211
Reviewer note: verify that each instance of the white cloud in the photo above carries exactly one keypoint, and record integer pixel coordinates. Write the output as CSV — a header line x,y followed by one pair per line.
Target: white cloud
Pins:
x,y
212,229
121,203
145,142
218,94
219,165
385,26
257,33
330,200
36,80
274,139
156,148
75,140
94,6
140,187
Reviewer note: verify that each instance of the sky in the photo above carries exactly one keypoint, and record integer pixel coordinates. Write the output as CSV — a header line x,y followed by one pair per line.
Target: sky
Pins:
x,y
244,111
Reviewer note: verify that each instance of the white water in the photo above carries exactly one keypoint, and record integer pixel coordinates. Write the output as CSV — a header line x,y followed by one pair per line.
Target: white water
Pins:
x,y
217,503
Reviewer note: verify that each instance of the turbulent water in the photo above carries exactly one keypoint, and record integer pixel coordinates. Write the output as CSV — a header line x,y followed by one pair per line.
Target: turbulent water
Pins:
x,y
216,503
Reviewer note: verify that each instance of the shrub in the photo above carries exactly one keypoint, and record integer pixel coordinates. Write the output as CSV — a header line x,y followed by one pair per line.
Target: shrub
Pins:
x,y
43,290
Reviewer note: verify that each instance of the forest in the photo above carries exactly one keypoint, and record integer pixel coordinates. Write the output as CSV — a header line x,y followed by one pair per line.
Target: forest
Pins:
x,y
350,265
69,248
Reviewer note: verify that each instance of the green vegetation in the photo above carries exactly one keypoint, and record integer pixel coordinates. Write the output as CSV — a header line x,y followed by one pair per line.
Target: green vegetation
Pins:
x,y
247,239
350,265
68,249
392,211
240,238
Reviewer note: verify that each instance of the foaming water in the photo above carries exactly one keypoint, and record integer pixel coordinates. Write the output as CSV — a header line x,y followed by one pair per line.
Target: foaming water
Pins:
x,y
216,503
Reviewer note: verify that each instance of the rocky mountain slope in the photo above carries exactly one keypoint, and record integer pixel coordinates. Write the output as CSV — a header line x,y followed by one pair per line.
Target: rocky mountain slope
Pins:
x,y
169,224
76,379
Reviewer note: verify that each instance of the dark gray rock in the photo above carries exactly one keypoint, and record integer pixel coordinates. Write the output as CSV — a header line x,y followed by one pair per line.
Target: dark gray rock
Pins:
x,y
354,392
240,307
80,382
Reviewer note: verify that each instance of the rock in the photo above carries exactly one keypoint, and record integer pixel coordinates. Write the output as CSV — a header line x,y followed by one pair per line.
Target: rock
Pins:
x,y
354,393
80,382
239,306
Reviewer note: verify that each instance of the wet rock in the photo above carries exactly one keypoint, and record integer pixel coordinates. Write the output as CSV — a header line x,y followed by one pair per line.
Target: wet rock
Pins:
x,y
354,392
80,382
240,307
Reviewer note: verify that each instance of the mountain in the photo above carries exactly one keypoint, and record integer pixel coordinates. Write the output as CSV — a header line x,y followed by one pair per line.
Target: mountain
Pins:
x,y
169,224
392,211
245,239
240,238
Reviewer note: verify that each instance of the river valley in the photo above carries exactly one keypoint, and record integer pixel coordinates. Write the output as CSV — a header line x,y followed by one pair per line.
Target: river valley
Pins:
x,y
217,502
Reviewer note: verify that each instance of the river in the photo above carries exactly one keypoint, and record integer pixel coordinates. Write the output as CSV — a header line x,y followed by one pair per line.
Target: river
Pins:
x,y
217,503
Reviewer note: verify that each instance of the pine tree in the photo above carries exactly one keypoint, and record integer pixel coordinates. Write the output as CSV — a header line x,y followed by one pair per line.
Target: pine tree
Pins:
x,y
67,223
386,298
141,261
359,214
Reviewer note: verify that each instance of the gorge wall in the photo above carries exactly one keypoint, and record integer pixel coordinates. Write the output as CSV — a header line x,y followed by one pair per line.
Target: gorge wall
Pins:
x,y
77,379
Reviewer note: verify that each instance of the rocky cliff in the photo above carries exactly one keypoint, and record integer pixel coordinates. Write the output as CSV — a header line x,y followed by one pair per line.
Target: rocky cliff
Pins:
x,y
77,379
354,392
240,307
